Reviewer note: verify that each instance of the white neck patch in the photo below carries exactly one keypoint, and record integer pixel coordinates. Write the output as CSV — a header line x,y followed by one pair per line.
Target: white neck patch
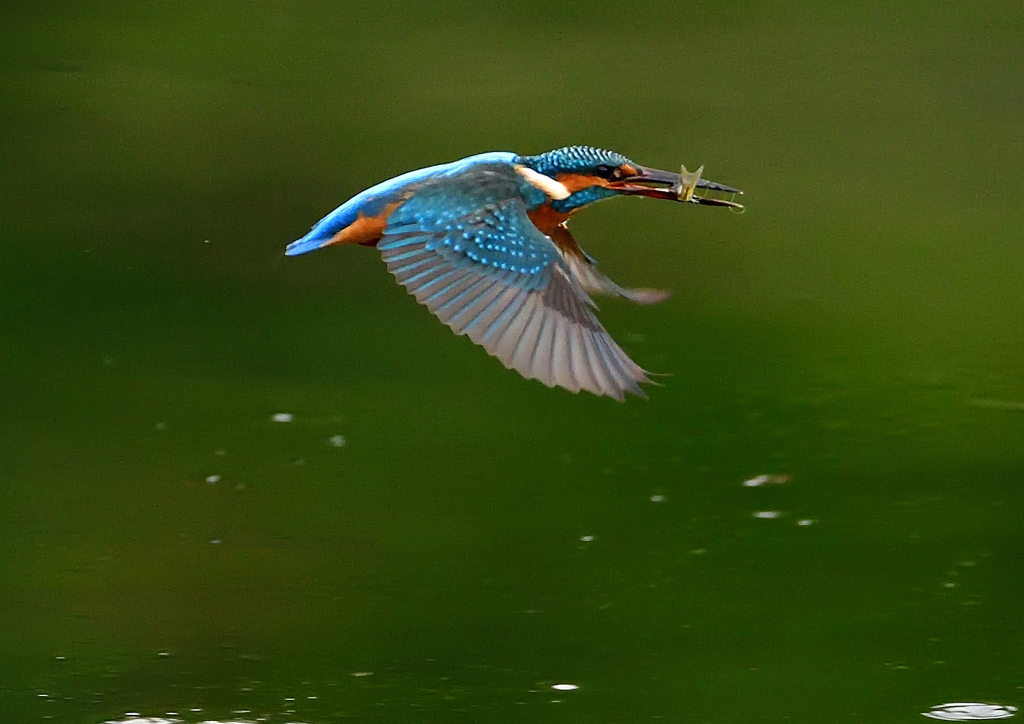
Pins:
x,y
548,185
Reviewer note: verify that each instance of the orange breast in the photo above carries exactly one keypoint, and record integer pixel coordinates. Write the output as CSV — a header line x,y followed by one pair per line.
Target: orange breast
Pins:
x,y
547,219
366,230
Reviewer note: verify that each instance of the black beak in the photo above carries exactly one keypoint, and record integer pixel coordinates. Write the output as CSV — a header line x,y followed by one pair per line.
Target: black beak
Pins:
x,y
680,187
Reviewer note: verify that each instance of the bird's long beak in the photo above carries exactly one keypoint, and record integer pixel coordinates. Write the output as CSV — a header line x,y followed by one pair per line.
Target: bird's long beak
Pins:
x,y
680,187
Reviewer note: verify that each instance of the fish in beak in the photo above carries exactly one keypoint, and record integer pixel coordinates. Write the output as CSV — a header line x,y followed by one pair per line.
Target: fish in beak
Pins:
x,y
675,187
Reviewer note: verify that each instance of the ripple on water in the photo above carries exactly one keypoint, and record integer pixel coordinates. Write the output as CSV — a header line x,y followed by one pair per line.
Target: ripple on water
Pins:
x,y
970,711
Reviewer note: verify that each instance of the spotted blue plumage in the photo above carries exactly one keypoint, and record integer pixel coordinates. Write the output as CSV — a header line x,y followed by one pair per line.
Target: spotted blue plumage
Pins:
x,y
476,219
573,159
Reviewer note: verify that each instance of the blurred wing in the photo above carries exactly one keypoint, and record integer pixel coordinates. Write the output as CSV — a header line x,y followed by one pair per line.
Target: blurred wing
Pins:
x,y
466,249
584,268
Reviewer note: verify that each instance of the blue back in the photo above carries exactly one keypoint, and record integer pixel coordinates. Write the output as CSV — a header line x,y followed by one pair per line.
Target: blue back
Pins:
x,y
373,200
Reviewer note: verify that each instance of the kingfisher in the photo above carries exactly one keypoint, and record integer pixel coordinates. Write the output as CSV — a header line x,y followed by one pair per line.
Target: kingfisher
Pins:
x,y
483,243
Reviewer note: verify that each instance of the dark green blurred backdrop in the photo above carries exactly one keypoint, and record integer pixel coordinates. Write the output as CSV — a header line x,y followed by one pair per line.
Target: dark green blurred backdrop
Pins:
x,y
167,546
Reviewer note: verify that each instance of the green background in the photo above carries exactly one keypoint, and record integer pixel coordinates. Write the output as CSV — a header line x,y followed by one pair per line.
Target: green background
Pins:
x,y
860,329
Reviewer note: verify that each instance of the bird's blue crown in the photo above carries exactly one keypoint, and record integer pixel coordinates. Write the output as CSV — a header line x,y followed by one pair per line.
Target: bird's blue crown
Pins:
x,y
573,159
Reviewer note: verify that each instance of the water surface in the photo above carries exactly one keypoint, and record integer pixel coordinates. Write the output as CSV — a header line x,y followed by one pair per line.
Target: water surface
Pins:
x,y
167,546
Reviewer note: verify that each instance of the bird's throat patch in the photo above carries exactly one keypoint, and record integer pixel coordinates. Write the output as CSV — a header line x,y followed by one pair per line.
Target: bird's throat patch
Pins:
x,y
554,189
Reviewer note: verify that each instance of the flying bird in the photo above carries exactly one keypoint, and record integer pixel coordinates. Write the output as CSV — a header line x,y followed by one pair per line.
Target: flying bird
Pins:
x,y
483,244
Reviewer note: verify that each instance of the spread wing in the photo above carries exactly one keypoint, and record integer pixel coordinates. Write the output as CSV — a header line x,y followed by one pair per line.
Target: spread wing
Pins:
x,y
467,250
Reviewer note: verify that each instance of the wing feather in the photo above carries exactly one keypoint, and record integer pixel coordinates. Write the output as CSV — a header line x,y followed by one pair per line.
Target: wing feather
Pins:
x,y
481,310
451,292
579,361
561,355
467,250
599,368
529,338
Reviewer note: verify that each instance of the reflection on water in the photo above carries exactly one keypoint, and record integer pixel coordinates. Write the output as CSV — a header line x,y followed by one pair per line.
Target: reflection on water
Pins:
x,y
759,480
968,711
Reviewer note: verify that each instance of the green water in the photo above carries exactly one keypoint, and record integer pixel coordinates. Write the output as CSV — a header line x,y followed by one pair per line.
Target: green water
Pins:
x,y
166,546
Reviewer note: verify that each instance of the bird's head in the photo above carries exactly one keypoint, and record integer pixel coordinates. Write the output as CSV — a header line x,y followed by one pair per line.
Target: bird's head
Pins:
x,y
590,174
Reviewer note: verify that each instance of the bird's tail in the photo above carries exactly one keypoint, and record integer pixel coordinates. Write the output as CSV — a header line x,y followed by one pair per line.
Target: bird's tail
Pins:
x,y
311,241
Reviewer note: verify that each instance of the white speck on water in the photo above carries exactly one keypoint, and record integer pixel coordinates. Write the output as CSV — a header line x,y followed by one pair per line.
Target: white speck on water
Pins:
x,y
164,653
587,538
760,480
767,514
161,426
360,674
564,687
215,541
213,479
338,441
657,498
805,521
282,417
221,451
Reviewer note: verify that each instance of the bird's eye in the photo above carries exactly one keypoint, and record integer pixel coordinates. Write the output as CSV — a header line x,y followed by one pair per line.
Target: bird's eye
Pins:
x,y
609,172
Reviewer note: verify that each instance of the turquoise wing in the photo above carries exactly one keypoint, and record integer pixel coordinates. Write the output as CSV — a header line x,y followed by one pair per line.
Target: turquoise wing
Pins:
x,y
467,250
